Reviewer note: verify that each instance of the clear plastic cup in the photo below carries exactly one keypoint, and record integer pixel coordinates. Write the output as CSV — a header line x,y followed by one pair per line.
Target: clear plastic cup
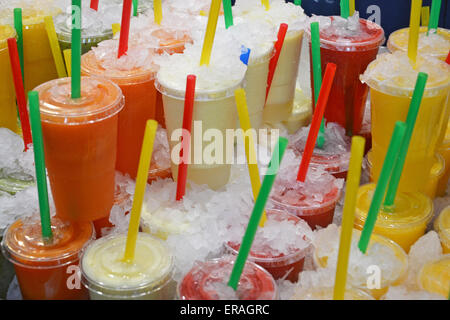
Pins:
x,y
45,270
326,293
80,143
444,151
108,277
208,281
442,227
436,174
434,276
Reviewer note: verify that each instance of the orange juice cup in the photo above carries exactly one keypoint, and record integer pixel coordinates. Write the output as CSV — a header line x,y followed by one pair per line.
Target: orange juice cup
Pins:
x,y
434,276
442,227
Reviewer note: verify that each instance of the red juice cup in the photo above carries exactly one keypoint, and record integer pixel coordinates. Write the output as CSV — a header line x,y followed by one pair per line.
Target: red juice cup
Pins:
x,y
285,264
350,44
45,271
80,142
208,281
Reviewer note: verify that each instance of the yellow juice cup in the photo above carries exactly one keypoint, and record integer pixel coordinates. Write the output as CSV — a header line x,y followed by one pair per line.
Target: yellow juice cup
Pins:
x,y
404,224
442,227
444,151
326,293
392,80
8,110
436,174
435,276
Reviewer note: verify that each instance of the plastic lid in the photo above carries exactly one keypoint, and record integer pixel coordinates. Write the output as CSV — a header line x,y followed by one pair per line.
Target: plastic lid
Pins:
x,y
23,243
326,293
64,32
442,225
438,167
409,209
100,99
32,13
6,32
435,276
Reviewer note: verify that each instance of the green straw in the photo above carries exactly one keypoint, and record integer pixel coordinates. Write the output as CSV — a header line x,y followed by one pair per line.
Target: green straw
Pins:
x,y
397,137
410,123
228,13
39,160
345,9
257,212
317,75
76,50
298,2
435,13
18,25
135,7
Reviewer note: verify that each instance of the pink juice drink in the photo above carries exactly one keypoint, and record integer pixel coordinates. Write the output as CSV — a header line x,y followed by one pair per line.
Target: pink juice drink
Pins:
x,y
283,257
208,281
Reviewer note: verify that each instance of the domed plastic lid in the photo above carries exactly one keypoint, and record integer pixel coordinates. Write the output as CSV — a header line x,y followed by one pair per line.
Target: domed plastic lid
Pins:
x,y
442,225
435,276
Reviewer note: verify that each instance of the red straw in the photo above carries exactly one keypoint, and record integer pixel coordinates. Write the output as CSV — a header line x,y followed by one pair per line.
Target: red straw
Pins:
x,y
125,27
94,5
274,61
20,91
186,137
317,119
448,58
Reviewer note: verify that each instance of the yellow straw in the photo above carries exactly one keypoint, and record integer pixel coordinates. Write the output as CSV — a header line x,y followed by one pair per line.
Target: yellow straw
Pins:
x,y
266,4
115,28
68,59
157,8
352,7
210,32
139,191
250,150
353,181
425,16
54,46
414,25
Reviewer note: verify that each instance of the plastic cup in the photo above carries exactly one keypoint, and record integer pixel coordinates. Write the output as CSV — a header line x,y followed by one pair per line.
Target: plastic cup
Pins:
x,y
434,276
108,277
442,227
46,271
8,108
326,293
282,265
208,281
137,85
80,142
404,223
352,53
436,174
435,45
444,151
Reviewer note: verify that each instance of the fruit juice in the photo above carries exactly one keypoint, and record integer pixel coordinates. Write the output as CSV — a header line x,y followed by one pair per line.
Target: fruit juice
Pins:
x,y
134,74
327,293
404,223
382,252
350,44
45,270
392,80
444,151
281,264
208,281
8,108
108,277
80,143
436,44
442,226
436,173
435,276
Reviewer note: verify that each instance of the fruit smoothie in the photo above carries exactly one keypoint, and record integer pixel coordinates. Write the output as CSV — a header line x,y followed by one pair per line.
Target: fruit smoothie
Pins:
x,y
134,73
404,223
444,151
392,81
208,281
442,227
45,271
326,293
313,200
382,252
334,157
436,44
108,277
80,143
282,257
434,277
351,44
214,108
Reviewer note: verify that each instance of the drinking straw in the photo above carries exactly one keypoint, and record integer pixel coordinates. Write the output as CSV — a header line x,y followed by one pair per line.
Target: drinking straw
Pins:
x,y
54,46
328,78
245,55
157,8
266,4
394,146
425,16
125,28
228,13
115,28
317,75
249,143
135,7
210,32
434,16
345,9
76,50
414,25
410,123
39,160
67,58
139,191
186,138
18,25
298,3
274,60
20,91
94,5
348,217
260,203
351,6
